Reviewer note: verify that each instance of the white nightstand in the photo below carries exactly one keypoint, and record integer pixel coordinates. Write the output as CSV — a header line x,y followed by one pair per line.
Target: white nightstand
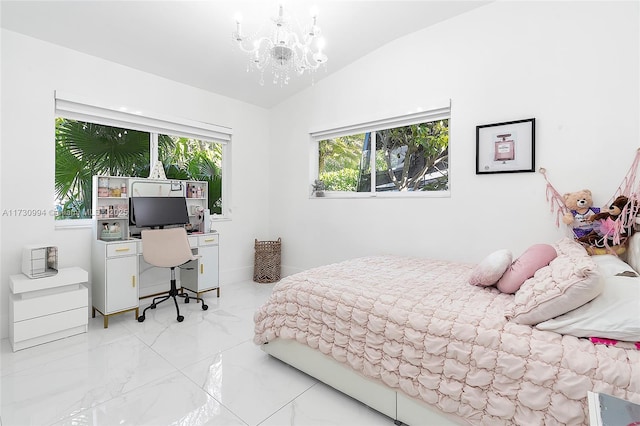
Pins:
x,y
49,308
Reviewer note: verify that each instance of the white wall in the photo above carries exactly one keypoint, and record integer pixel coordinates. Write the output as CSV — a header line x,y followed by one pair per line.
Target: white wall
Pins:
x,y
31,71
573,66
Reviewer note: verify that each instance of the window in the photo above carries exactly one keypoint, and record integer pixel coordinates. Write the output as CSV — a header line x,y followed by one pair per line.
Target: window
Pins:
x,y
97,141
194,159
408,155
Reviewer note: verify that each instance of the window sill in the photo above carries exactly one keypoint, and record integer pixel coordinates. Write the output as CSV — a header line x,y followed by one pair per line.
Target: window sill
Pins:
x,y
73,224
220,219
383,195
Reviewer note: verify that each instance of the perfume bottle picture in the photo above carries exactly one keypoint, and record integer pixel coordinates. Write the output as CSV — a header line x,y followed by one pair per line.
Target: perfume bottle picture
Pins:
x,y
504,148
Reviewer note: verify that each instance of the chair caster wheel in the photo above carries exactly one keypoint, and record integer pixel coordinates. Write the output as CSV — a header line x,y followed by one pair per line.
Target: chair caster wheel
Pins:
x,y
204,307
180,318
153,306
141,318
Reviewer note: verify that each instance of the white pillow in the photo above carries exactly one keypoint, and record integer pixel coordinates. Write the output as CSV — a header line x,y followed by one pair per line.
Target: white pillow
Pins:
x,y
610,265
492,267
614,314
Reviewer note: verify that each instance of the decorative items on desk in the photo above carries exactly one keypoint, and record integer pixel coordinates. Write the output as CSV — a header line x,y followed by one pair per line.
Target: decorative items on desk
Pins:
x,y
199,223
194,191
114,191
206,221
158,171
111,232
200,218
39,261
112,211
103,187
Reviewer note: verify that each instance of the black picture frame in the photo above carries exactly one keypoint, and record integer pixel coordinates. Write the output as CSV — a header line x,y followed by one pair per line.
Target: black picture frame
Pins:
x,y
507,147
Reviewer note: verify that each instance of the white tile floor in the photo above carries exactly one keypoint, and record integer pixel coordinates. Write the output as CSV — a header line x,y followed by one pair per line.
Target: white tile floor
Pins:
x,y
203,371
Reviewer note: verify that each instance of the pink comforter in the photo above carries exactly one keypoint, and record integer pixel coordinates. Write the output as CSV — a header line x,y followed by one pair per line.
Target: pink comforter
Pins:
x,y
418,326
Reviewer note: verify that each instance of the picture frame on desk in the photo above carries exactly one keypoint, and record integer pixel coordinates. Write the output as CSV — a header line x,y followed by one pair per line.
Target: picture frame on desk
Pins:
x,y
507,147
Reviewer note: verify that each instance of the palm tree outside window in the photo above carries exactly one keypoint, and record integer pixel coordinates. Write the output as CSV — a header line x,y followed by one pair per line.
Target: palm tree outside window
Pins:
x,y
86,149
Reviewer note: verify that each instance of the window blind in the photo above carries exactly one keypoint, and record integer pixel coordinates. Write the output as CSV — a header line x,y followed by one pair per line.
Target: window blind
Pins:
x,y
433,114
78,109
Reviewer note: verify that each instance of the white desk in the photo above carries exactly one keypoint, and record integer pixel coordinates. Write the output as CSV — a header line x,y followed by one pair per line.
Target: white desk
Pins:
x,y
121,277
49,308
202,275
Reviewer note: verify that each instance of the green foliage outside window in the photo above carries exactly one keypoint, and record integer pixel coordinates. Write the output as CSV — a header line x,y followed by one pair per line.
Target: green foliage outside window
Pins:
x,y
408,158
340,162
194,159
87,149
415,157
340,180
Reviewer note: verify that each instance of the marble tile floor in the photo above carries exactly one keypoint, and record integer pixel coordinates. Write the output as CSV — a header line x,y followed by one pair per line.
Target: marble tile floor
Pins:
x,y
203,371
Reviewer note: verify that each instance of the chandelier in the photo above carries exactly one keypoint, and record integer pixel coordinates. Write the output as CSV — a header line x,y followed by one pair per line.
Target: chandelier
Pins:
x,y
283,49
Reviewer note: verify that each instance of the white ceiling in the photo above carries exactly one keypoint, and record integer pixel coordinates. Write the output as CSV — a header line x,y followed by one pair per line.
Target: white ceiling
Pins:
x,y
190,41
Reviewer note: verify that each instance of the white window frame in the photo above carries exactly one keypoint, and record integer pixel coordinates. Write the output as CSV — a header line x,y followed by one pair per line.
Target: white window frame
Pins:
x,y
76,108
441,111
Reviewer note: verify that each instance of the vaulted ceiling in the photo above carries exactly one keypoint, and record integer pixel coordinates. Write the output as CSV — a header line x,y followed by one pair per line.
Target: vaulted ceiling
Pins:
x,y
190,41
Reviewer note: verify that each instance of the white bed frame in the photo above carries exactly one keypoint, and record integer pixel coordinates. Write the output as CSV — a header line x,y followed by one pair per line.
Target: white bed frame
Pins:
x,y
393,403
386,400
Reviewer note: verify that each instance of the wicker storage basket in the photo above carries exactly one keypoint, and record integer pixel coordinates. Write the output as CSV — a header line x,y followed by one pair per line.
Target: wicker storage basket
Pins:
x,y
266,268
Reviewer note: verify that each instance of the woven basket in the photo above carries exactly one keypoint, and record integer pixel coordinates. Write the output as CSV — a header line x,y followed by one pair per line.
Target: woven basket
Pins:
x,y
266,267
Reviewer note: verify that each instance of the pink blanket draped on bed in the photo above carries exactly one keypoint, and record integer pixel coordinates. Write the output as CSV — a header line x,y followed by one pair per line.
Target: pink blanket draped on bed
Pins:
x,y
418,326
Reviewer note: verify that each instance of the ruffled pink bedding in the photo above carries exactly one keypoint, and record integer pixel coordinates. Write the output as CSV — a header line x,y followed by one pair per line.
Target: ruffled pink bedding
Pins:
x,y
418,326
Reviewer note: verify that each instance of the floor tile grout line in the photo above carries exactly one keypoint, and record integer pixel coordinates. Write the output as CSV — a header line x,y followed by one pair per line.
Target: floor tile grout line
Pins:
x,y
288,402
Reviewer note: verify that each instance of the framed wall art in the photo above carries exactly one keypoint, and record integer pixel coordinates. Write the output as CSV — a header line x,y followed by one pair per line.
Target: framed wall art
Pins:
x,y
507,147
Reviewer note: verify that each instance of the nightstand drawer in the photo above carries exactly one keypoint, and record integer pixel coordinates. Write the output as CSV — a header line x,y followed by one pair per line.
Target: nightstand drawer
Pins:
x,y
72,297
42,326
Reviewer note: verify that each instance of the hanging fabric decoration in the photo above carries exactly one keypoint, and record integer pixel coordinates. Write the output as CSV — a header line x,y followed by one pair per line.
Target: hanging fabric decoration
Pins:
x,y
554,199
613,225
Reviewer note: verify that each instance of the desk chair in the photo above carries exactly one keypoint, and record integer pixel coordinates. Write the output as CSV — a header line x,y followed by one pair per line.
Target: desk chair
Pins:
x,y
168,248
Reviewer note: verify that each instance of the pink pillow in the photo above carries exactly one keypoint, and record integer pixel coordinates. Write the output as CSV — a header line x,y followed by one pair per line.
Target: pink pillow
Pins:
x,y
489,271
524,267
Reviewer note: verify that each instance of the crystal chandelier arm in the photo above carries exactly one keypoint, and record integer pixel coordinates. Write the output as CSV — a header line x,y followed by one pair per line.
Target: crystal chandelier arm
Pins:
x,y
255,46
305,49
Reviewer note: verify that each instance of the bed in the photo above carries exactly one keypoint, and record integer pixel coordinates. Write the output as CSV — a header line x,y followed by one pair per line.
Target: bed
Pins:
x,y
411,338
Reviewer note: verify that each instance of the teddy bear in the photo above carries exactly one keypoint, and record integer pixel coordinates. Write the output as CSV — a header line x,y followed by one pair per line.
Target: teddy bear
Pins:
x,y
613,211
580,205
604,228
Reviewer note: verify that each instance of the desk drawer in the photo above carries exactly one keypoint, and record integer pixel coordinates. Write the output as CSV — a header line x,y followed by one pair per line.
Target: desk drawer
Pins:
x,y
122,249
207,240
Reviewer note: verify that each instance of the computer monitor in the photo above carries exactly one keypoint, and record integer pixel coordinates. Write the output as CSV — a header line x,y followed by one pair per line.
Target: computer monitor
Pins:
x,y
157,212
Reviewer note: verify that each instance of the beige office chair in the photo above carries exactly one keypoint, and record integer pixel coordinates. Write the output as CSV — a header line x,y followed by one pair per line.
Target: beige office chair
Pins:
x,y
168,248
